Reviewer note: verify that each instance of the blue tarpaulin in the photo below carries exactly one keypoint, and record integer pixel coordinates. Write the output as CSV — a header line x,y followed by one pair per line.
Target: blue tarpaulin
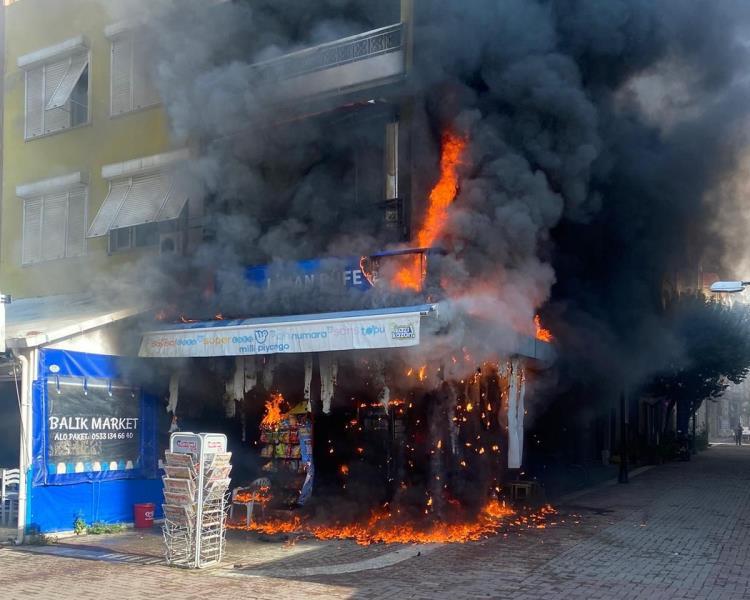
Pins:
x,y
96,488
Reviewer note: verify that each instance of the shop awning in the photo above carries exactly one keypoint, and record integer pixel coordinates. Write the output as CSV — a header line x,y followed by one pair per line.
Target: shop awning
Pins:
x,y
352,330
33,322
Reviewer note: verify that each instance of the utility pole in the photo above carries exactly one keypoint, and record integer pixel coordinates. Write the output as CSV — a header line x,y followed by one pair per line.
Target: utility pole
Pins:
x,y
622,477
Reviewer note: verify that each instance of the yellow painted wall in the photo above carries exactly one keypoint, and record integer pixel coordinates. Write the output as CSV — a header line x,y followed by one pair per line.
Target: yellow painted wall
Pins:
x,y
31,25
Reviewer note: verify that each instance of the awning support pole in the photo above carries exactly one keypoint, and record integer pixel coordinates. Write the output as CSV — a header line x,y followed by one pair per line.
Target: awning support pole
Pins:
x,y
23,455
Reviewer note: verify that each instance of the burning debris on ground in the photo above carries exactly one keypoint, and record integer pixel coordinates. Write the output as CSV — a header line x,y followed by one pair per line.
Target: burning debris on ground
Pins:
x,y
389,527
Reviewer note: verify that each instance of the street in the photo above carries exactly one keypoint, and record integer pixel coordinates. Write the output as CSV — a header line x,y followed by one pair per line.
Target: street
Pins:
x,y
676,531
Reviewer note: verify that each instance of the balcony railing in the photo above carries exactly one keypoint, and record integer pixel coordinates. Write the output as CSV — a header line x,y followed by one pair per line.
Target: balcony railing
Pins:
x,y
333,54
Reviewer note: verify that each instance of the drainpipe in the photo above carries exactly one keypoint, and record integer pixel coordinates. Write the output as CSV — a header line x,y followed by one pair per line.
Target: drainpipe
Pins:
x,y
24,444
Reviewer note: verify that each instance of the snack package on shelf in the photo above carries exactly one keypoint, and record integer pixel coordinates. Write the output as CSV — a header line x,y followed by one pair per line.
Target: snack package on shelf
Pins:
x,y
280,450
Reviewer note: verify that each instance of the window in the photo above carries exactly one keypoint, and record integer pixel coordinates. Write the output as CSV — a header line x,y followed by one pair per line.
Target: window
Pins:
x,y
131,87
139,236
54,226
141,191
57,94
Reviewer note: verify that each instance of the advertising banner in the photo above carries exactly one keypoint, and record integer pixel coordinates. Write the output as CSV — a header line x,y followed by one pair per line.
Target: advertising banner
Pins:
x,y
237,338
92,427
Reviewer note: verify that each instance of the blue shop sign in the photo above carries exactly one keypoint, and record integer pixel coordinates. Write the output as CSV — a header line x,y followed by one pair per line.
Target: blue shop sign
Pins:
x,y
346,272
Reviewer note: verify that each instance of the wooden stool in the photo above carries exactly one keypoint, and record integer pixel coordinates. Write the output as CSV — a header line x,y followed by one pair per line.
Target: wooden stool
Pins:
x,y
523,490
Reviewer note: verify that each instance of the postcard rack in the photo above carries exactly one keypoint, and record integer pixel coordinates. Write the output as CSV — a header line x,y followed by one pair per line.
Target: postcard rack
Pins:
x,y
196,483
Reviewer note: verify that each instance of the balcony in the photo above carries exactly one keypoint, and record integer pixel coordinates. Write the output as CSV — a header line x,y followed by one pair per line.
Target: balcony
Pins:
x,y
355,62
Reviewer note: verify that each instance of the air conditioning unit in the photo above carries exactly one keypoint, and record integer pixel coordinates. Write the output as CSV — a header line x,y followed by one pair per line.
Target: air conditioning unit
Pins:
x,y
172,242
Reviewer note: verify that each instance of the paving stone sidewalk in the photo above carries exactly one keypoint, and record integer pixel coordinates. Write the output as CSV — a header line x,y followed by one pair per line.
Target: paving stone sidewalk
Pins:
x,y
680,530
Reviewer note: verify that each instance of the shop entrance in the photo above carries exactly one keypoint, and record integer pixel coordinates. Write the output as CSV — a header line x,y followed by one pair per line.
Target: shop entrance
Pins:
x,y
351,432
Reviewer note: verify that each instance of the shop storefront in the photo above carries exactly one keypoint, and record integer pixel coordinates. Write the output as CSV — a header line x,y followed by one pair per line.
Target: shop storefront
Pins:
x,y
294,366
349,401
88,430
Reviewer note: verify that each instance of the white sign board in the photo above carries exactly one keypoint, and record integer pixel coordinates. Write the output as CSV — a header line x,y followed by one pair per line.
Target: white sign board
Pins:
x,y
185,443
356,333
214,442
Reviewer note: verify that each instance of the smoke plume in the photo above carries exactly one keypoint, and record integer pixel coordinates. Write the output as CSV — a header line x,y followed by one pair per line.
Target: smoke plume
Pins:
x,y
602,143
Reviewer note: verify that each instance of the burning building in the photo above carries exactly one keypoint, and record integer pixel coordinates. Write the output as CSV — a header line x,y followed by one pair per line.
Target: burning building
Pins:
x,y
357,207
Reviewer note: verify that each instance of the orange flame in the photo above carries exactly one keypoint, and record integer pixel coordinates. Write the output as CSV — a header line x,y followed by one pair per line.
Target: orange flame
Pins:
x,y
410,275
444,192
441,197
273,414
386,526
262,495
542,334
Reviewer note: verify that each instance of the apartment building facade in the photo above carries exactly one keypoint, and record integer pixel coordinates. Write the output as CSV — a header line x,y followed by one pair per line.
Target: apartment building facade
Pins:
x,y
86,141
81,120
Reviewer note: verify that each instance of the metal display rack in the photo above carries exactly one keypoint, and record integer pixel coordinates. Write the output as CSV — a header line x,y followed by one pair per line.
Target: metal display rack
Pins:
x,y
196,484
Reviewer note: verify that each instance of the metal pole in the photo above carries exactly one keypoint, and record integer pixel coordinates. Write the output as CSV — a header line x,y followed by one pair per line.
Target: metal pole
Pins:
x,y
24,456
695,448
4,299
622,477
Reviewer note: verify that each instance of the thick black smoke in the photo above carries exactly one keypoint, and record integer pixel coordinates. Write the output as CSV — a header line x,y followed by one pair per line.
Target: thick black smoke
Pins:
x,y
599,137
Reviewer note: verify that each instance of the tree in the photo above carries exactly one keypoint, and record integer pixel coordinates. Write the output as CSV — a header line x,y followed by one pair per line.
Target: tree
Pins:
x,y
712,341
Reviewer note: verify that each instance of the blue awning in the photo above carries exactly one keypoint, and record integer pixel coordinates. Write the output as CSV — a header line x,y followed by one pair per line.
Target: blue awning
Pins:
x,y
396,327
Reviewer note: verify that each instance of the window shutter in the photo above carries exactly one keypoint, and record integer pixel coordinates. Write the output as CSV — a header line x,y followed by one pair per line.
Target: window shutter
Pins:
x,y
54,225
110,208
76,242
34,101
55,118
144,91
176,200
145,200
32,230
121,69
61,94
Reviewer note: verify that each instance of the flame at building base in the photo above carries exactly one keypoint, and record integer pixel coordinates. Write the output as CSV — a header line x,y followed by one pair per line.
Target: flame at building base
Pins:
x,y
390,527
